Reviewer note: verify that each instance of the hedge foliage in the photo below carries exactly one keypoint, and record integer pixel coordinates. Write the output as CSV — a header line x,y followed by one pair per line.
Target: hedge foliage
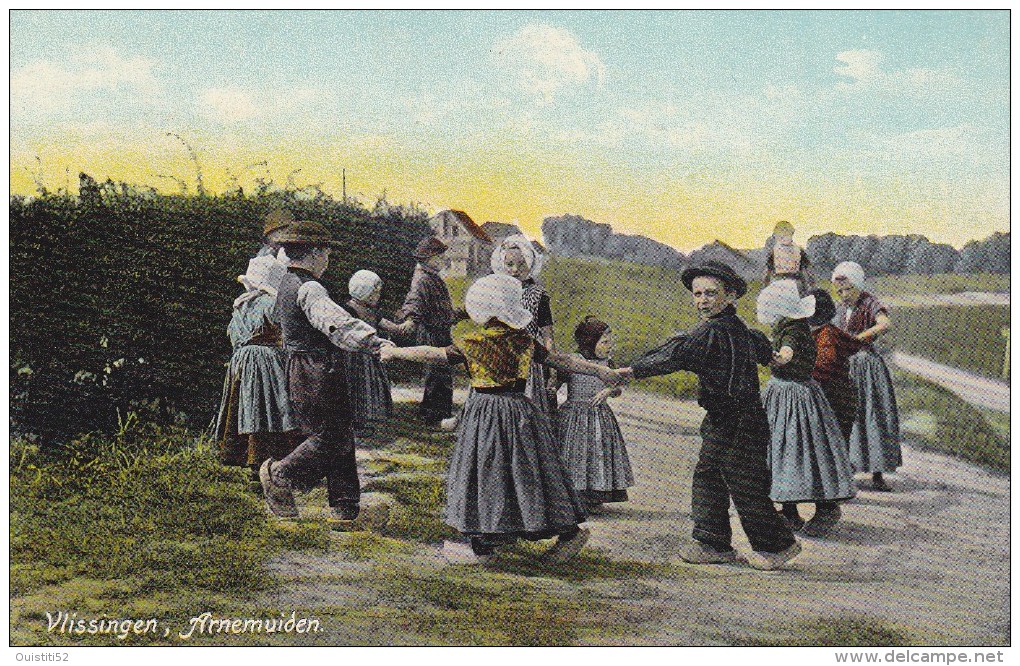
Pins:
x,y
120,298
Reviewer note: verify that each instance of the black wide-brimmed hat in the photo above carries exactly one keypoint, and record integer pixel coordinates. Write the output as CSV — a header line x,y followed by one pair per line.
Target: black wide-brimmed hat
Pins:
x,y
825,308
718,270
429,247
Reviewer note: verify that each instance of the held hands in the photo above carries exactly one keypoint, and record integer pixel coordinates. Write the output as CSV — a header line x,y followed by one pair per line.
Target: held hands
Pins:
x,y
388,352
602,395
781,357
617,377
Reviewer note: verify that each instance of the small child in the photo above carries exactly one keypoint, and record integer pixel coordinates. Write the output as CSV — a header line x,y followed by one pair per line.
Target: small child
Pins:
x,y
593,447
367,384
808,454
506,479
787,260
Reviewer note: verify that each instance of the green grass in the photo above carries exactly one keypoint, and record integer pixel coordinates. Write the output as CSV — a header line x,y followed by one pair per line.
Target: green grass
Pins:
x,y
944,283
148,503
849,631
947,424
968,337
147,524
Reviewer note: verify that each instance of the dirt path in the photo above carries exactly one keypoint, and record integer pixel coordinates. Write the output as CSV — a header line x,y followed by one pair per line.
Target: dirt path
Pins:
x,y
962,298
931,557
975,389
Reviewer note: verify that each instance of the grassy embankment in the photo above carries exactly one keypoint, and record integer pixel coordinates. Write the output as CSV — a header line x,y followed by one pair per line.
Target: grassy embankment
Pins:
x,y
934,418
968,337
943,283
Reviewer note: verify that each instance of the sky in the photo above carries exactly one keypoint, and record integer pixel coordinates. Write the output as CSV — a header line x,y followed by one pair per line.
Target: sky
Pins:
x,y
684,126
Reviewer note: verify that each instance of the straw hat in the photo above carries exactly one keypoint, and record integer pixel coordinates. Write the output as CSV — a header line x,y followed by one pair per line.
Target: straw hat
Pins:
x,y
429,247
497,296
782,299
304,232
276,220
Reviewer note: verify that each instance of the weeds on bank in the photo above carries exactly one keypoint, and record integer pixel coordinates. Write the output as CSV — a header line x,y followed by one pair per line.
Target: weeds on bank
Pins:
x,y
851,631
956,428
151,504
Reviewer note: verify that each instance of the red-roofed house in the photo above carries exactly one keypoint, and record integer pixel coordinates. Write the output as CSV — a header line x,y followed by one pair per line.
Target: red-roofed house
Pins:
x,y
470,247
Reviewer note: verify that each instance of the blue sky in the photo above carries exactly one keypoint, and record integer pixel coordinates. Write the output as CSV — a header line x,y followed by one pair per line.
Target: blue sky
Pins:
x,y
684,126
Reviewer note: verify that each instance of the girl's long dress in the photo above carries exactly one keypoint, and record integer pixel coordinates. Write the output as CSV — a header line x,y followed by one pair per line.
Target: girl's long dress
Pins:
x,y
875,437
506,476
807,452
368,385
536,300
593,448
255,398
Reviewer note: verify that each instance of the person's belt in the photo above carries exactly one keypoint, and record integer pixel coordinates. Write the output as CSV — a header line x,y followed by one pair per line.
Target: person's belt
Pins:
x,y
517,387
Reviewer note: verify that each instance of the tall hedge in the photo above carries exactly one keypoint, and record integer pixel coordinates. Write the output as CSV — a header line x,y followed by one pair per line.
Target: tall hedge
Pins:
x,y
120,298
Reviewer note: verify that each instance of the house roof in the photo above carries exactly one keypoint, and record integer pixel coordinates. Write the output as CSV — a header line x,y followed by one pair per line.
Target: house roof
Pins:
x,y
469,224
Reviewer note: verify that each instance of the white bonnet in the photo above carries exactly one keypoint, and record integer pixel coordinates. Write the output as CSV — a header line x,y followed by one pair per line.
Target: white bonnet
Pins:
x,y
781,299
852,271
532,257
264,274
362,284
497,296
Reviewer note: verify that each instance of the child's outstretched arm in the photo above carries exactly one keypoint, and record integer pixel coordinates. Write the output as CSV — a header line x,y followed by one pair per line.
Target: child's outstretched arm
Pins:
x,y
581,366
419,354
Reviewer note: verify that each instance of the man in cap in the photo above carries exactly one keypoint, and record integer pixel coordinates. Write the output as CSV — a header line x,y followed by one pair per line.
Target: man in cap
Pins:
x,y
274,226
429,314
315,329
724,354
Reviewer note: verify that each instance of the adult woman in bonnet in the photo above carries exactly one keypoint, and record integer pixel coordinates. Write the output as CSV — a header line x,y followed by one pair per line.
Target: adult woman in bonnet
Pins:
x,y
517,257
255,419
875,438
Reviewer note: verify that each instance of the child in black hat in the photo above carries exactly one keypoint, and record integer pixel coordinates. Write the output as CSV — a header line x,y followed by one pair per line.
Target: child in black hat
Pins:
x,y
732,464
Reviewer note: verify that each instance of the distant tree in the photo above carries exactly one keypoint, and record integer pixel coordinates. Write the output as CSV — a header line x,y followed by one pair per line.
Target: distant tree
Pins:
x,y
933,258
888,256
862,248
